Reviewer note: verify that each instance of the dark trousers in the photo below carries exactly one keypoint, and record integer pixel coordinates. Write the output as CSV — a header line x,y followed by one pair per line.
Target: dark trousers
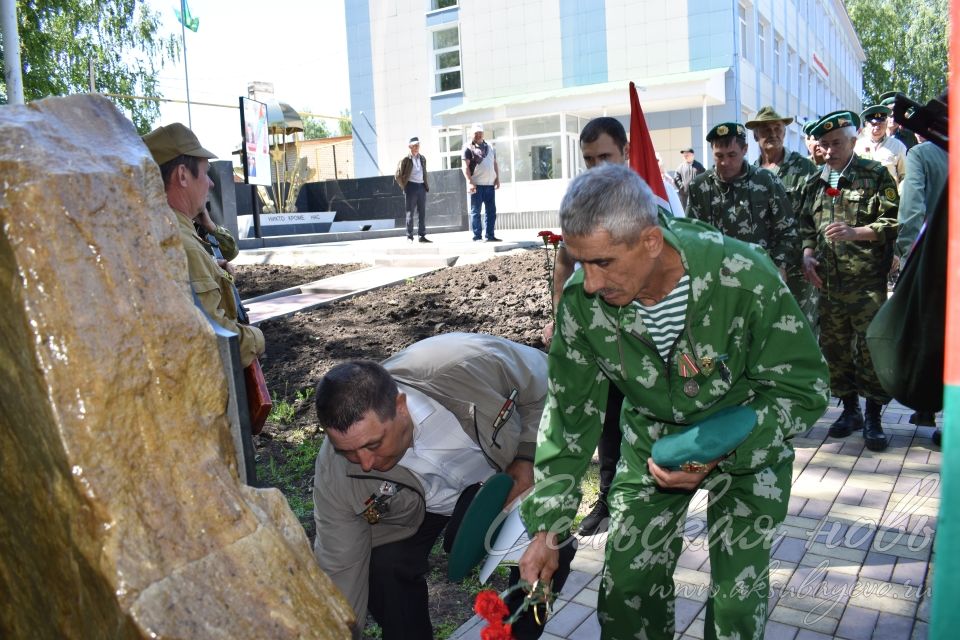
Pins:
x,y
416,199
398,583
608,448
486,196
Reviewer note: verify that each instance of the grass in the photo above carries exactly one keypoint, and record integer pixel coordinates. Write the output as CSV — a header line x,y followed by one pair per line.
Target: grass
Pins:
x,y
284,410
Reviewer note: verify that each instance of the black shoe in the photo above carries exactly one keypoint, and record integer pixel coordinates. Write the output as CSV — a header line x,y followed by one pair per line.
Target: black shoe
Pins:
x,y
935,438
424,239
494,239
924,419
873,435
597,521
410,238
850,420
477,239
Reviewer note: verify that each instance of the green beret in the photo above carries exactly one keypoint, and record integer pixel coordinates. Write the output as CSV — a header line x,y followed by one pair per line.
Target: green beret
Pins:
x,y
834,120
875,113
887,98
808,125
469,540
726,129
706,441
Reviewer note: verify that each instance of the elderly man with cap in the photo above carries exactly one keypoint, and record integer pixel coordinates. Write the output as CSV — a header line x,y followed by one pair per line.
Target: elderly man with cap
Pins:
x,y
482,173
813,149
411,175
848,226
894,130
769,129
183,166
745,202
406,443
689,169
875,144
701,336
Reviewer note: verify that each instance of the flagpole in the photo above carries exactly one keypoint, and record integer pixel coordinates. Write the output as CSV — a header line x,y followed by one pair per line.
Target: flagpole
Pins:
x,y
186,73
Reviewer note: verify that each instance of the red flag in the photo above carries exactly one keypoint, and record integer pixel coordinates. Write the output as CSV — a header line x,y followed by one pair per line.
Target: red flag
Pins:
x,y
643,159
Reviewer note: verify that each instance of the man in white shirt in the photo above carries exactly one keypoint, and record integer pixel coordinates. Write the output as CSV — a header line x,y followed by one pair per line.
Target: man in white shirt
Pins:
x,y
404,440
482,173
875,144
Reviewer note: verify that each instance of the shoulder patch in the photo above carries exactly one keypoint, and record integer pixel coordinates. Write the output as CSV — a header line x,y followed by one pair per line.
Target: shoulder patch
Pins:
x,y
891,193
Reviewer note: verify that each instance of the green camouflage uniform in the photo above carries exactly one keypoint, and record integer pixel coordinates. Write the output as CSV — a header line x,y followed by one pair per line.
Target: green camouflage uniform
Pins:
x,y
793,173
854,274
754,207
740,315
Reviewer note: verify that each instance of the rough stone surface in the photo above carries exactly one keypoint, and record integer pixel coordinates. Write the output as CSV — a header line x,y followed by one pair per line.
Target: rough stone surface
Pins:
x,y
122,512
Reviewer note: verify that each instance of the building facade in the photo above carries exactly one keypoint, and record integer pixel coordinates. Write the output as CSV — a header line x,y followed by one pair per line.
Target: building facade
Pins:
x,y
534,71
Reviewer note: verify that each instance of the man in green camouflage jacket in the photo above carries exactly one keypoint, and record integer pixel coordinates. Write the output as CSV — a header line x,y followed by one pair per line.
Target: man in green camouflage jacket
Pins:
x,y
744,202
686,322
793,169
849,224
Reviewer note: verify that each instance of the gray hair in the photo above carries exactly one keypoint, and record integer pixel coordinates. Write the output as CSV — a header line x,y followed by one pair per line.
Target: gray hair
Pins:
x,y
611,197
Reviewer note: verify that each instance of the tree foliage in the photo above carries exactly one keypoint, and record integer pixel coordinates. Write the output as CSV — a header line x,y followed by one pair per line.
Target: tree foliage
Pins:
x,y
906,44
314,128
58,38
346,126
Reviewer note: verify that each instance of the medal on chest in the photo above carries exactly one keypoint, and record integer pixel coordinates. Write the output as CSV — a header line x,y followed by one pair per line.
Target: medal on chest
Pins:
x,y
378,503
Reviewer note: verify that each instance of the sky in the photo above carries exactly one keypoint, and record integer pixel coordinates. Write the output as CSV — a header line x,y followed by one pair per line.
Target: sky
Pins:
x,y
300,46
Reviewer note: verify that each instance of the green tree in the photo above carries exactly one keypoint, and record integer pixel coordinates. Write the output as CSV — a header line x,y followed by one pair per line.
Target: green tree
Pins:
x,y
346,128
59,38
314,128
906,44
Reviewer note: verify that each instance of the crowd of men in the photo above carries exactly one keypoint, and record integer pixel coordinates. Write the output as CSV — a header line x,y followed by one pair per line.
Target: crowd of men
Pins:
x,y
758,299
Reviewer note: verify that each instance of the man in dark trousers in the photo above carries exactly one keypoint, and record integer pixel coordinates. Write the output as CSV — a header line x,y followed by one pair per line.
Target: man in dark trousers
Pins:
x,y
686,172
412,177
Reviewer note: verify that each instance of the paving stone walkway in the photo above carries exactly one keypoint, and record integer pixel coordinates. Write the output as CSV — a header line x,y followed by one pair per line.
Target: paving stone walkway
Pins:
x,y
853,559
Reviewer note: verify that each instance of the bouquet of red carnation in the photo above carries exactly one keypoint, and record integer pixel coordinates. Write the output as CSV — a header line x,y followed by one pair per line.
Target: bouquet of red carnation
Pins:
x,y
491,607
833,192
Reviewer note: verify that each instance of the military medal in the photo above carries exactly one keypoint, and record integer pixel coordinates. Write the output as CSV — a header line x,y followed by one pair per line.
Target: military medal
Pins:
x,y
376,505
688,366
707,364
691,387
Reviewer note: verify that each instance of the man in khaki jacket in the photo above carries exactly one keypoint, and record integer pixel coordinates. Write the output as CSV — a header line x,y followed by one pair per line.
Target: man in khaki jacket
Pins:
x,y
403,441
183,166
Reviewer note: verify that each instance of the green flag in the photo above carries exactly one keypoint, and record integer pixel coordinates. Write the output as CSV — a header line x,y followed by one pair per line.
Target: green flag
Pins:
x,y
186,18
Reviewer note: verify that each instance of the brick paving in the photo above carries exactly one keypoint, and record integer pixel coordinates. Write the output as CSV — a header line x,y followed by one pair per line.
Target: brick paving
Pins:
x,y
853,558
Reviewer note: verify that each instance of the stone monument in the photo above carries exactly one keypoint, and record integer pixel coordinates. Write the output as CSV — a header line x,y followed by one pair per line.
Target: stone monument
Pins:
x,y
121,511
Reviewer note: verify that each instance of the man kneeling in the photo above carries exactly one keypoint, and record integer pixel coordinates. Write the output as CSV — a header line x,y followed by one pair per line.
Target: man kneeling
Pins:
x,y
404,440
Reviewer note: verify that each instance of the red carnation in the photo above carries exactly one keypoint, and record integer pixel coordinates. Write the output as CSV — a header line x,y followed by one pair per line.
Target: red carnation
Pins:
x,y
496,631
555,239
833,192
545,234
490,607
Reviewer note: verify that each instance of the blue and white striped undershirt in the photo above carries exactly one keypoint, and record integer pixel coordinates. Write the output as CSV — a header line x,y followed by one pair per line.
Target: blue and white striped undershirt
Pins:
x,y
664,320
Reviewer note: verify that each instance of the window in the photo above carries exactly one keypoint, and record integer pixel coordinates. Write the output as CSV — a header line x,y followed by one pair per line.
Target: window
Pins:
x,y
442,4
762,45
791,63
801,74
742,19
537,152
446,60
451,148
777,55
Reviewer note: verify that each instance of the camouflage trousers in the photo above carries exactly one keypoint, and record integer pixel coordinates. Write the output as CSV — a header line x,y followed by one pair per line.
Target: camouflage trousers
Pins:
x,y
637,594
807,297
844,318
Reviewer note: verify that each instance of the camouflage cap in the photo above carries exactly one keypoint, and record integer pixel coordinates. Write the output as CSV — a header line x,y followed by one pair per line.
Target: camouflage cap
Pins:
x,y
876,113
172,140
726,129
766,114
834,120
